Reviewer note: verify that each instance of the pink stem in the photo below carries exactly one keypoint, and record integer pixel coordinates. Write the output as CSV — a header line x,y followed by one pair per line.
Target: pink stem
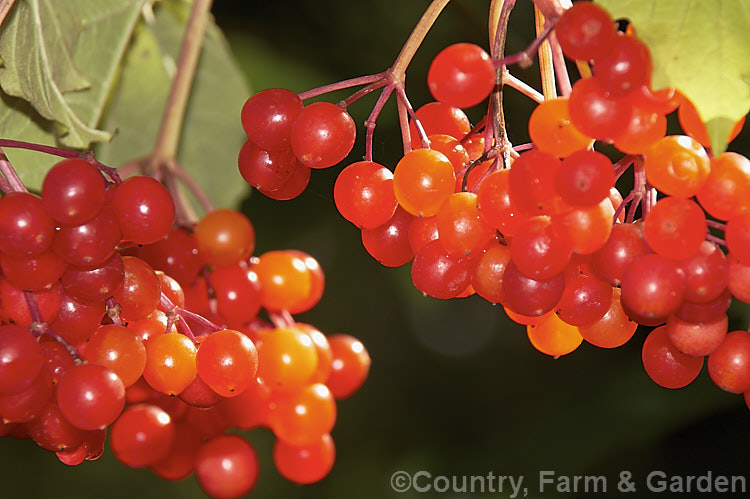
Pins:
x,y
637,198
561,69
63,153
178,314
550,8
371,120
716,240
623,164
401,94
622,205
183,214
403,119
5,185
364,91
198,318
113,311
38,327
282,319
13,182
352,82
525,57
194,188
492,169
522,87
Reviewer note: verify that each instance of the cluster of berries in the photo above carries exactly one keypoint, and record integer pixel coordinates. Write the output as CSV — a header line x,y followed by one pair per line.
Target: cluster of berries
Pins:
x,y
115,321
545,231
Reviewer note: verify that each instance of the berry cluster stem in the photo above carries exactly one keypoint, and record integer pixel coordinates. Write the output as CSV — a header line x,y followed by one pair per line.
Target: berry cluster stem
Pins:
x,y
177,315
341,85
282,319
390,80
168,140
63,153
398,70
499,137
11,181
39,327
113,311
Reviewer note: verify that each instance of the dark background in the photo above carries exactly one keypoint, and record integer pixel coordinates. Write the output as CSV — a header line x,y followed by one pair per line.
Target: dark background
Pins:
x,y
455,388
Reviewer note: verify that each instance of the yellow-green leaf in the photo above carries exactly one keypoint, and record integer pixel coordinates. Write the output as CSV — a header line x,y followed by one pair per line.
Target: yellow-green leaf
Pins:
x,y
212,132
701,47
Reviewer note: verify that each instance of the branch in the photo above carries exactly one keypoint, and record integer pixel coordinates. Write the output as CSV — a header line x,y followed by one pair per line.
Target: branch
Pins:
x,y
398,70
168,140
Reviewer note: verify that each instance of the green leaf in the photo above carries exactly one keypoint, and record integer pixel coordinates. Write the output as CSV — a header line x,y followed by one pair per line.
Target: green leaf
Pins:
x,y
701,47
86,42
212,132
62,57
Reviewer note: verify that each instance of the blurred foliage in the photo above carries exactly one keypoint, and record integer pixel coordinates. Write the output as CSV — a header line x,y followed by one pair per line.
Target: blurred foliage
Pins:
x,y
455,388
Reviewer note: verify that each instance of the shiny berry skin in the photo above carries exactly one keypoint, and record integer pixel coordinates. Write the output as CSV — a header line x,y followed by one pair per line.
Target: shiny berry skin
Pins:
x,y
652,289
51,431
665,365
27,404
675,228
350,365
227,361
176,255
287,358
462,230
729,364
625,67
20,359
170,363
73,191
305,464
267,170
293,187
237,292
15,304
89,244
389,243
438,274
677,165
140,291
142,435
322,135
267,117
118,348
144,209
25,227
439,118
422,180
284,279
226,467
461,75
91,396
363,194
531,297
301,417
224,237
595,112
585,31
94,284
34,272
